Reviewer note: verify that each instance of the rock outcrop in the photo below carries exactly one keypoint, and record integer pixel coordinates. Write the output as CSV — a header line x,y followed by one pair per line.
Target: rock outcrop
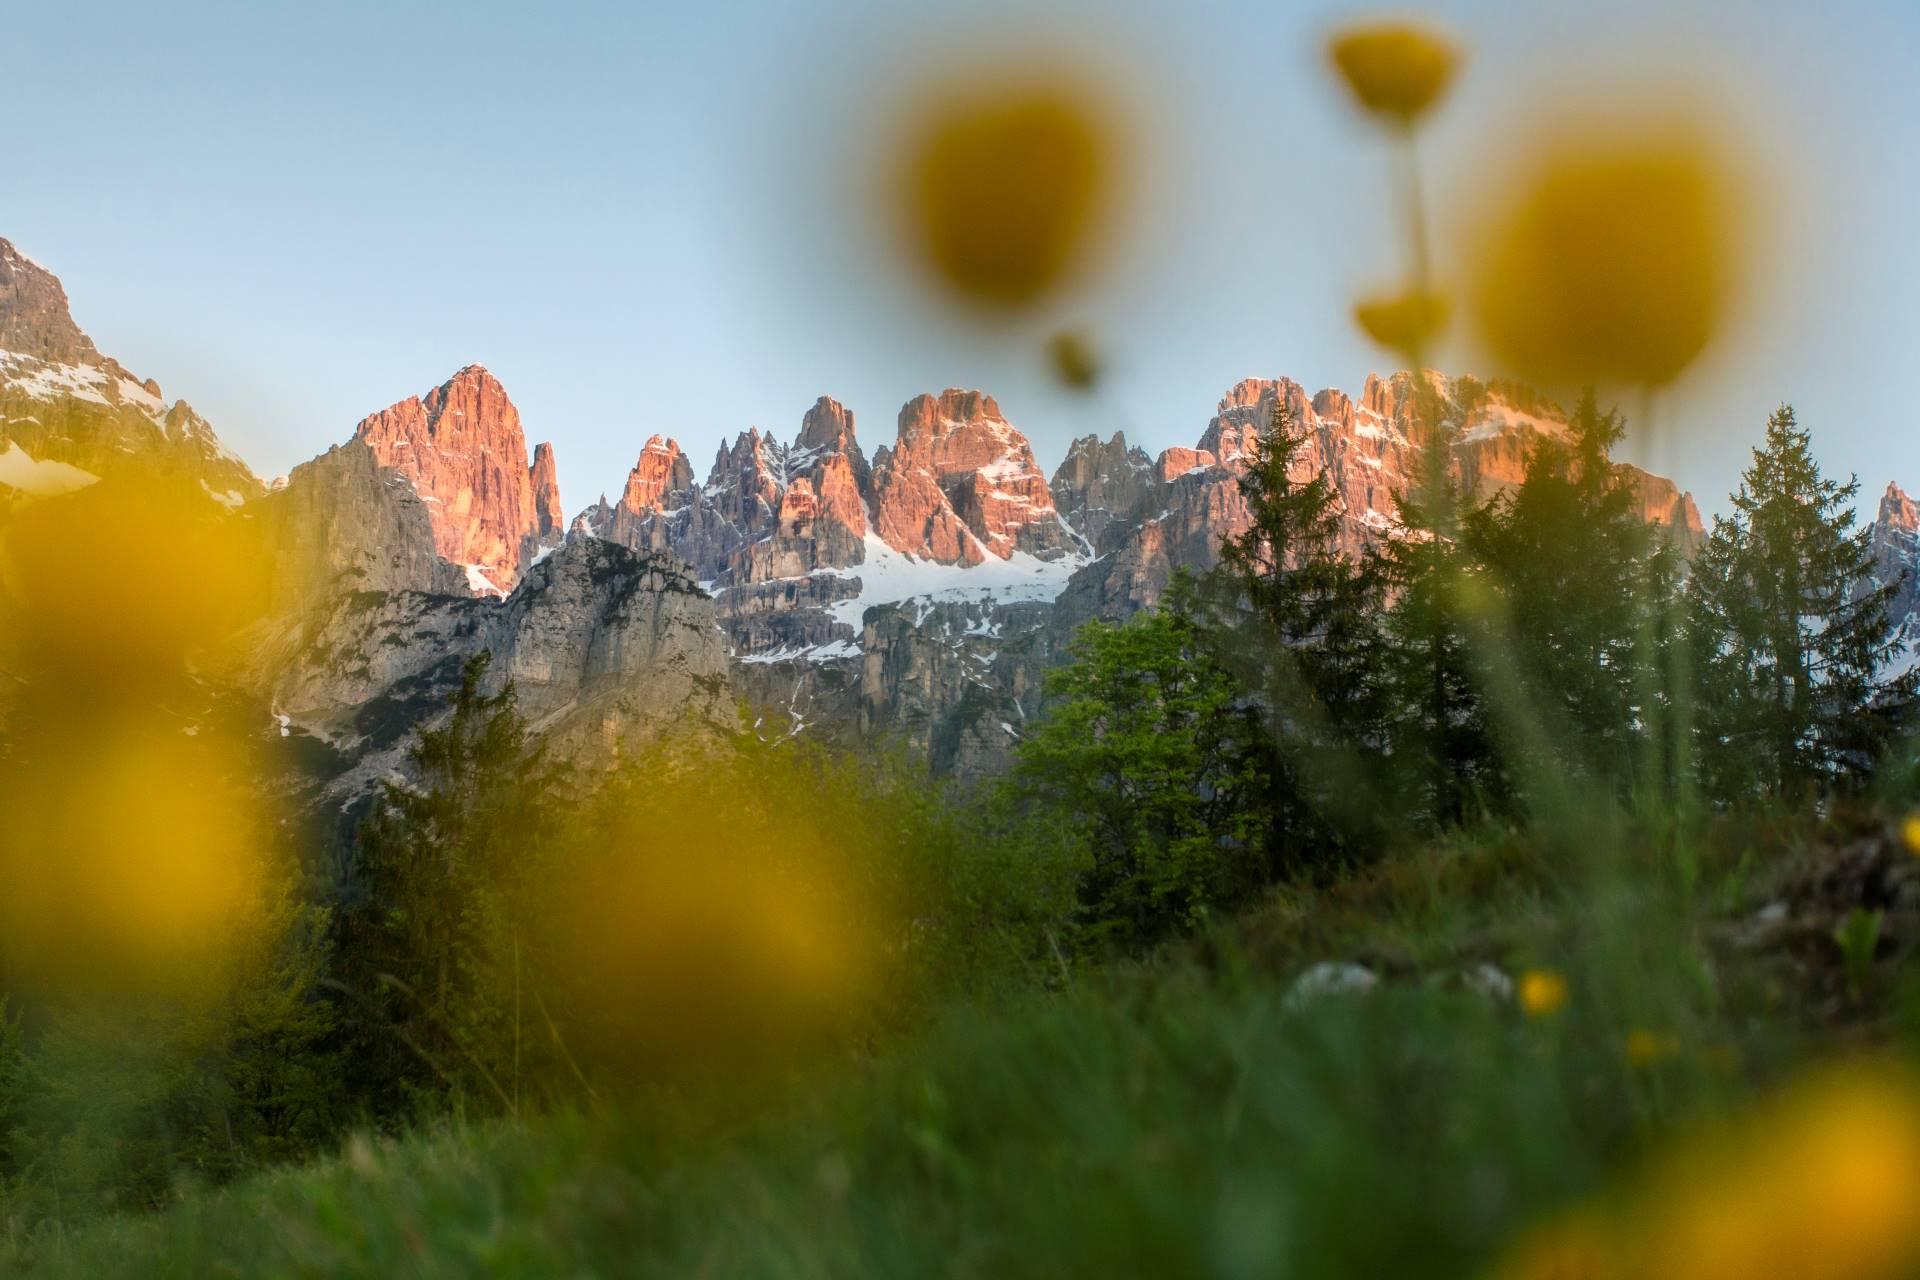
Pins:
x,y
66,408
960,484
549,518
462,448
1895,539
605,647
343,523
1370,449
1099,483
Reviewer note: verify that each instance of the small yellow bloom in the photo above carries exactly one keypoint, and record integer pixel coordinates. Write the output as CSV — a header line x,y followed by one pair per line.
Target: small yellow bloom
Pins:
x,y
1406,324
1910,832
1004,185
1395,70
1542,992
1073,359
1647,1048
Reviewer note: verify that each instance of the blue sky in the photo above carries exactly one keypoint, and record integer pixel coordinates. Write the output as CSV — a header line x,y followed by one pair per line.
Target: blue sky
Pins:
x,y
646,218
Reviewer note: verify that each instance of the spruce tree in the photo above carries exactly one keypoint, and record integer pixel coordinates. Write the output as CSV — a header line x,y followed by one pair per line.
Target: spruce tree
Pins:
x,y
428,947
1584,582
1790,632
1438,733
1303,633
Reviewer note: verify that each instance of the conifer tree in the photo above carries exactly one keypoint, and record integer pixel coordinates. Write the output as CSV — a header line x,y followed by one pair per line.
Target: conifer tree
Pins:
x,y
442,870
1584,582
1302,631
1438,733
1790,632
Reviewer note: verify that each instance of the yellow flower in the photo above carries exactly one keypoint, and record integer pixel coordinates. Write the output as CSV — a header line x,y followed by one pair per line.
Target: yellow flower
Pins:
x,y
1614,258
1647,1048
202,574
1406,324
1004,185
1819,1183
1822,1183
1074,360
1542,992
135,859
1395,70
1910,832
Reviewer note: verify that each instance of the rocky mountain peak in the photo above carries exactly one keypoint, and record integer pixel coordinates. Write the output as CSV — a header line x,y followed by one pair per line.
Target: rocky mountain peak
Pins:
x,y
550,521
1897,510
1100,482
961,484
35,319
661,470
1894,538
63,402
828,425
463,449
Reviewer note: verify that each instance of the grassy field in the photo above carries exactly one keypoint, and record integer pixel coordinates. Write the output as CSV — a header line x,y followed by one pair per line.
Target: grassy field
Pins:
x,y
1543,1025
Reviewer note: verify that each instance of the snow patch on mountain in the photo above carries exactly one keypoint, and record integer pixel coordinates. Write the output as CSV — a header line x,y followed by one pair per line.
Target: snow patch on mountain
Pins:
x,y
21,470
43,380
892,577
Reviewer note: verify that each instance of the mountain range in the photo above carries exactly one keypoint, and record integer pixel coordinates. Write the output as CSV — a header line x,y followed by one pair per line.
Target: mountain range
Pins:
x,y
920,592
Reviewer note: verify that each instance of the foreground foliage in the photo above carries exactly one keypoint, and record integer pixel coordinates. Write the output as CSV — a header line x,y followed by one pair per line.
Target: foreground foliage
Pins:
x,y
1199,1115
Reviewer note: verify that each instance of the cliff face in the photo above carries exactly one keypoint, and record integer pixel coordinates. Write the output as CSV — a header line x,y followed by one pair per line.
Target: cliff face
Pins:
x,y
1370,449
343,523
604,647
1101,483
960,485
463,450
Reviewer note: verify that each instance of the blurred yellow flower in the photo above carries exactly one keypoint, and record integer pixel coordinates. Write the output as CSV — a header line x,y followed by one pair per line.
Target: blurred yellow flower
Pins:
x,y
1820,1183
134,860
1406,324
1910,832
1396,71
1005,183
1542,992
1612,258
84,609
1647,1048
767,942
1074,362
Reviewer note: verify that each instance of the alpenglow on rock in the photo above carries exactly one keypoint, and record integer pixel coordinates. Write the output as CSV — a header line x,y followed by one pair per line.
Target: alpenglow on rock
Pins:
x,y
961,485
462,448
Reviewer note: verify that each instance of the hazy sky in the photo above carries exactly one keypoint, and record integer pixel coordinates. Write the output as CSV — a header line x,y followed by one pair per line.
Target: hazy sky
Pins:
x,y
646,218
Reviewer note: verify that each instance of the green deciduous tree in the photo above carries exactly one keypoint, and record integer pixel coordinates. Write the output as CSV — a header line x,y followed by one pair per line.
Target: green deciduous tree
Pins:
x,y
1151,765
